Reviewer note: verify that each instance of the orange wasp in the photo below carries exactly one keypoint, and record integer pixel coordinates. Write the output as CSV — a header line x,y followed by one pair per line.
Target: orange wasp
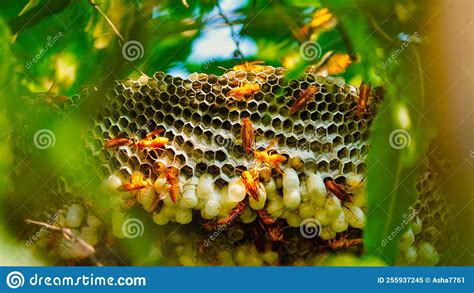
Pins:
x,y
363,101
344,243
150,141
272,160
250,66
265,217
234,214
251,181
274,232
338,190
137,181
172,174
304,98
117,142
244,91
247,135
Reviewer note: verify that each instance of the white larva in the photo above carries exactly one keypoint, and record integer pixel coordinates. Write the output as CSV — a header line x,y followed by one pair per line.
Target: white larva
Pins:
x,y
305,197
90,235
322,217
112,182
290,180
75,215
184,216
271,189
213,206
356,217
306,210
294,220
291,189
248,216
226,204
327,233
286,213
360,199
262,198
189,197
160,186
275,207
332,206
291,199
316,189
147,198
168,211
93,221
340,224
236,191
205,187
160,218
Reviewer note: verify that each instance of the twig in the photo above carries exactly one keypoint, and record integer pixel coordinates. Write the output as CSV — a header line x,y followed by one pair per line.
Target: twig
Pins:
x,y
114,28
89,251
97,7
235,37
185,3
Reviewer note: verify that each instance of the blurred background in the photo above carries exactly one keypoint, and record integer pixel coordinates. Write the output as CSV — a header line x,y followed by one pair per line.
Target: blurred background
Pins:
x,y
58,59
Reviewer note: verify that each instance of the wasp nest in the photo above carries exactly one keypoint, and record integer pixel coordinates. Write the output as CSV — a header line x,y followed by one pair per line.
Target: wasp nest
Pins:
x,y
327,138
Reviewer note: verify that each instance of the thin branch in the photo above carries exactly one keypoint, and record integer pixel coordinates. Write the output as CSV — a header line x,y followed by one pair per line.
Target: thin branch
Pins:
x,y
97,7
235,37
114,28
88,249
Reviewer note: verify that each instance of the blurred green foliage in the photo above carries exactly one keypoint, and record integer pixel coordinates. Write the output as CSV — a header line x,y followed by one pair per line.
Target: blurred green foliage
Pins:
x,y
87,58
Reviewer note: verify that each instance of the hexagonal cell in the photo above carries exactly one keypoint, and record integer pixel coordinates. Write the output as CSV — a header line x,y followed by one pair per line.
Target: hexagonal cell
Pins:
x,y
188,129
335,164
322,166
327,147
277,123
201,168
326,117
348,168
316,146
332,129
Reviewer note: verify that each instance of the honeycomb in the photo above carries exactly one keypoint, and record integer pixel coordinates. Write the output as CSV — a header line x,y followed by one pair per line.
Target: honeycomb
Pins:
x,y
203,124
433,206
